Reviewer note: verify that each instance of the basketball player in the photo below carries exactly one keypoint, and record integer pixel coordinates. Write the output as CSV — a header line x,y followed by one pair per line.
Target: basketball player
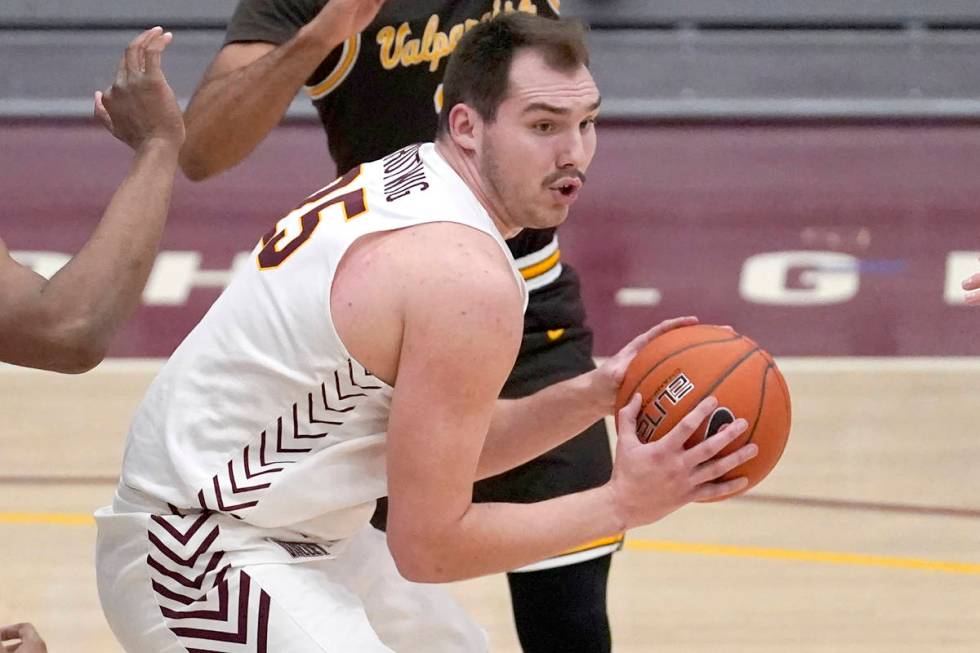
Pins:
x,y
29,640
376,83
254,462
65,324
972,285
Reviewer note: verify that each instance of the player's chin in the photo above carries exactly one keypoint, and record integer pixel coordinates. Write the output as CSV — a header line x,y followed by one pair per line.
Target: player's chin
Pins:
x,y
554,216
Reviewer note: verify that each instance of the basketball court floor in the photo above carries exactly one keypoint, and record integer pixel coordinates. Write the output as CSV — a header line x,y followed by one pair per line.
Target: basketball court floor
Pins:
x,y
865,538
839,248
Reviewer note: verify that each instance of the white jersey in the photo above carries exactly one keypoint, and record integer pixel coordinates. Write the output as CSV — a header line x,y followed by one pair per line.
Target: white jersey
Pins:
x,y
262,414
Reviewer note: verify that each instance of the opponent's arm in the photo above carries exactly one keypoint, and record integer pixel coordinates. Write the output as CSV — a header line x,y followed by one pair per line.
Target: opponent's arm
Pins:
x,y
65,324
459,341
523,429
249,86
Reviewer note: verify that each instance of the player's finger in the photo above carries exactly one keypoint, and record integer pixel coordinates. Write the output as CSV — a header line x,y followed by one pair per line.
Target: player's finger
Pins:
x,y
637,343
972,282
131,57
973,298
715,469
135,53
711,447
626,420
154,50
673,323
683,429
710,491
10,632
25,632
100,111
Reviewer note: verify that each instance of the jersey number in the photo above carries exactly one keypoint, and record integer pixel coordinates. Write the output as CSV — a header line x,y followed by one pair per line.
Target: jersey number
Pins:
x,y
277,247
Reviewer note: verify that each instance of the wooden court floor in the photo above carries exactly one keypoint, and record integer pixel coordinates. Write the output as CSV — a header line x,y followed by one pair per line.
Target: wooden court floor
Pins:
x,y
865,538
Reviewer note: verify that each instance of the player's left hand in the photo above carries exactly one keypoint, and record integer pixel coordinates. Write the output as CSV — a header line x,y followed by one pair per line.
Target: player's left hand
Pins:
x,y
972,285
30,641
609,376
140,107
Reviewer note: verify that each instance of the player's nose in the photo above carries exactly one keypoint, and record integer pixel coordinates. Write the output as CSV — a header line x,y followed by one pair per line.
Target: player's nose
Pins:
x,y
573,151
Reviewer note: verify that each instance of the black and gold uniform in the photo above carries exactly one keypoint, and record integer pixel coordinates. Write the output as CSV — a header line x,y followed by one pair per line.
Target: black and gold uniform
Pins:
x,y
379,91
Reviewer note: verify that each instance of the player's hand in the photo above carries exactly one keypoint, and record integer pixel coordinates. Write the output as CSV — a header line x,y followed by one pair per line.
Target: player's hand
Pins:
x,y
140,107
30,641
341,19
607,378
972,286
650,481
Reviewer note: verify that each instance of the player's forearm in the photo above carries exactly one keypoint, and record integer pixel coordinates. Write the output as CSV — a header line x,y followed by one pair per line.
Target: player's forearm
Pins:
x,y
87,300
231,114
523,429
498,537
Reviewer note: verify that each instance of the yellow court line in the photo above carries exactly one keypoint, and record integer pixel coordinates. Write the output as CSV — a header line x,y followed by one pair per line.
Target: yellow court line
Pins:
x,y
820,557
660,546
56,518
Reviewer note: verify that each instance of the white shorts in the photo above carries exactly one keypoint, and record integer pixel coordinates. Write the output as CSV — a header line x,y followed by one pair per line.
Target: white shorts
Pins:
x,y
166,587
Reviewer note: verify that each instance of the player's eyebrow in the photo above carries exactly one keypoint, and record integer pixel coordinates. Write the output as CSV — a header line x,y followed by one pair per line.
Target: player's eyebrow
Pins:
x,y
561,111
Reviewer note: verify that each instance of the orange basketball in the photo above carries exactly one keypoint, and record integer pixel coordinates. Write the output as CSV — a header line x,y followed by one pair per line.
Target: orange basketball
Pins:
x,y
675,371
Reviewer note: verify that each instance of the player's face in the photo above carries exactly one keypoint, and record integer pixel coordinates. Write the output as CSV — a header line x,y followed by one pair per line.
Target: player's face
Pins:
x,y
535,153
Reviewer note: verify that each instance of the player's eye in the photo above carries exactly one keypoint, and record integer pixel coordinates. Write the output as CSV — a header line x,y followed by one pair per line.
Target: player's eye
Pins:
x,y
585,124
544,127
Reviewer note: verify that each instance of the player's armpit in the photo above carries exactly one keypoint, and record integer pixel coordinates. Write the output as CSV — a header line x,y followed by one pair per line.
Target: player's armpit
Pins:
x,y
462,331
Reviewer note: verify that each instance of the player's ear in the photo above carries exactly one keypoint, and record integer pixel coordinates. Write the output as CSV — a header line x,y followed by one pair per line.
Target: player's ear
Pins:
x,y
464,126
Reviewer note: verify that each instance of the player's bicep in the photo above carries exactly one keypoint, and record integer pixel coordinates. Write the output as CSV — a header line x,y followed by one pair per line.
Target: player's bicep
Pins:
x,y
235,56
456,354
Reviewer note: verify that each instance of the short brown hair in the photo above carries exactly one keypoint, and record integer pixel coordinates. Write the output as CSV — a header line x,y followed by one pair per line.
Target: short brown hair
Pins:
x,y
479,69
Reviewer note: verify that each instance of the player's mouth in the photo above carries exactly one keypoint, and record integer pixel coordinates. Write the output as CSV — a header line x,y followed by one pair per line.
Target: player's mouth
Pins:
x,y
565,191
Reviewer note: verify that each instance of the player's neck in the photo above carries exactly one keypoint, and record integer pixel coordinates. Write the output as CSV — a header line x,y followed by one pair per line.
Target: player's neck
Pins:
x,y
466,168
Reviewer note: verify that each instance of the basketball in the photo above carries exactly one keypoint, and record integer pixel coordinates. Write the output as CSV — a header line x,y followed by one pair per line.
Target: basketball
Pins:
x,y
678,369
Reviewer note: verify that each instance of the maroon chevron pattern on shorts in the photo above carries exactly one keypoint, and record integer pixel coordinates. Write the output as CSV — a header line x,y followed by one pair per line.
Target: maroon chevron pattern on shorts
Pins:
x,y
210,607
238,486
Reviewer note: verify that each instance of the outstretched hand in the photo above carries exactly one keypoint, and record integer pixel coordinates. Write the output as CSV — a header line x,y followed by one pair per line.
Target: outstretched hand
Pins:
x,y
344,18
140,107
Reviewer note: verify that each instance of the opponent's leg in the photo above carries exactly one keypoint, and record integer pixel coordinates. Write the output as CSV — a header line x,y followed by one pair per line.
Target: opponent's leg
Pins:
x,y
562,609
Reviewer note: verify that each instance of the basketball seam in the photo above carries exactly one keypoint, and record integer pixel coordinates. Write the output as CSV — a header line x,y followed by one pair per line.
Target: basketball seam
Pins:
x,y
762,400
653,368
717,382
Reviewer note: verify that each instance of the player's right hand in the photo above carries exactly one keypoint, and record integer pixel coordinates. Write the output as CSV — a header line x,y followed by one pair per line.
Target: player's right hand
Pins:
x,y
140,107
30,641
342,19
650,481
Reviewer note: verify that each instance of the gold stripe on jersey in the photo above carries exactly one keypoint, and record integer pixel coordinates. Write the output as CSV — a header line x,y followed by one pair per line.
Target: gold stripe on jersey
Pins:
x,y
352,48
591,551
595,544
544,266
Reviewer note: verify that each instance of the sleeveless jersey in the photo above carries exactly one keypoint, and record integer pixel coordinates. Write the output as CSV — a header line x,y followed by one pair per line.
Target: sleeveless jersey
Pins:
x,y
261,414
382,90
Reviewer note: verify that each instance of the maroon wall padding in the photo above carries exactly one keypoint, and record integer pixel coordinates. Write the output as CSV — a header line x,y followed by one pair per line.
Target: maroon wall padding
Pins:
x,y
678,209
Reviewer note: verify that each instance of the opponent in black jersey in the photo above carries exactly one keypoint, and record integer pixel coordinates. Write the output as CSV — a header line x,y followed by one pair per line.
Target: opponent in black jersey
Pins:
x,y
376,83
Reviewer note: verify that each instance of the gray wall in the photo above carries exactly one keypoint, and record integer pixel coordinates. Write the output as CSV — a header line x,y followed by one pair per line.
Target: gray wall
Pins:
x,y
679,59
